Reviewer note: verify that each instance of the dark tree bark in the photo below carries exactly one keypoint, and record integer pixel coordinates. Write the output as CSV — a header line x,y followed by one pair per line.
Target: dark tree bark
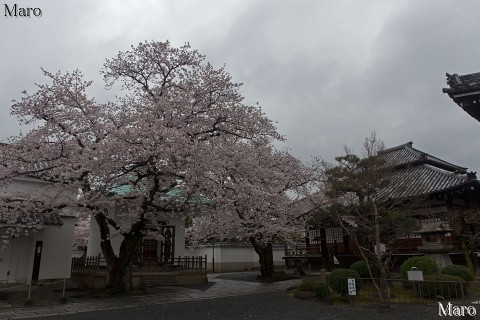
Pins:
x,y
382,287
326,263
119,267
474,258
121,275
265,255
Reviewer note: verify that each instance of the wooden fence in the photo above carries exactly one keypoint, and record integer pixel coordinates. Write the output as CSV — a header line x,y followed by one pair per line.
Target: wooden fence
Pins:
x,y
86,264
95,264
194,263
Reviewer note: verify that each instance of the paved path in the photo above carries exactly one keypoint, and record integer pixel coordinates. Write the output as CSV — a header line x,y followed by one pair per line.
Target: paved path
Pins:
x,y
226,296
274,305
221,287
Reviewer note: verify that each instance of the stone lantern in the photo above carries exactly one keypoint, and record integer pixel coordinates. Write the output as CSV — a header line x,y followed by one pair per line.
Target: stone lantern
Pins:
x,y
434,244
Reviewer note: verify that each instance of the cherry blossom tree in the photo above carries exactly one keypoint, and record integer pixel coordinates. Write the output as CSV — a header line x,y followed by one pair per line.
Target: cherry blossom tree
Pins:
x,y
256,192
175,110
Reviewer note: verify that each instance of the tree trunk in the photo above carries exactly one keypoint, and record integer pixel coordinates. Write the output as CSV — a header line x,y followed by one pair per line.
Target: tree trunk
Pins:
x,y
121,274
473,250
326,262
119,267
265,254
383,285
105,243
383,289
468,258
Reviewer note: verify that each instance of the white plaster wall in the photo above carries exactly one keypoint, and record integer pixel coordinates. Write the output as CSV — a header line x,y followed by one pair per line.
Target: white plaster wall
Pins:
x,y
23,253
4,262
189,251
179,224
93,243
231,259
16,260
278,254
57,250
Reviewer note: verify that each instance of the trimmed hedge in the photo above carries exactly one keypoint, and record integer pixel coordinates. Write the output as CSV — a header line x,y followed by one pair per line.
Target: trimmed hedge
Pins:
x,y
459,271
338,280
362,268
427,265
433,286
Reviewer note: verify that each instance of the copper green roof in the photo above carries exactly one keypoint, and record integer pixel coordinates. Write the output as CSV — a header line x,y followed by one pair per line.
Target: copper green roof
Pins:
x,y
176,192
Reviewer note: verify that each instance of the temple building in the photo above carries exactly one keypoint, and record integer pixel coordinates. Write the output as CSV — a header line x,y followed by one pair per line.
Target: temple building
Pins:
x,y
464,90
421,186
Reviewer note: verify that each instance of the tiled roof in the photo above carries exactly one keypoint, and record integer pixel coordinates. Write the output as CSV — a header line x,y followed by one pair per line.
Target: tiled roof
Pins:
x,y
424,179
32,219
465,92
414,173
462,83
405,155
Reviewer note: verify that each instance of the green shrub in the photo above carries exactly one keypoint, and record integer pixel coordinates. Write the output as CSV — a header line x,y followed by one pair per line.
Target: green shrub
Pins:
x,y
338,280
459,271
443,285
307,284
427,265
362,268
321,289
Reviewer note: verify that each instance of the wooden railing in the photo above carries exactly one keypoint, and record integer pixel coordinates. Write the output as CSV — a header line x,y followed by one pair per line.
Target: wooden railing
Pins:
x,y
187,263
95,264
86,264
193,263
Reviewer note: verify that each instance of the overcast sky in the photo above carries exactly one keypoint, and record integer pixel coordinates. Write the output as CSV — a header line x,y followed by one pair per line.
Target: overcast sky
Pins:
x,y
327,71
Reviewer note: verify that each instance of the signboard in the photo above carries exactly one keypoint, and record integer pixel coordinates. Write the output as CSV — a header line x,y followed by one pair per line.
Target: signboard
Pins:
x,y
352,288
415,275
383,248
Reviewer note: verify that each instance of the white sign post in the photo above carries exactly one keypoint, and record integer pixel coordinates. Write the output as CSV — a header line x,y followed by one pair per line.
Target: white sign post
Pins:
x,y
352,289
415,274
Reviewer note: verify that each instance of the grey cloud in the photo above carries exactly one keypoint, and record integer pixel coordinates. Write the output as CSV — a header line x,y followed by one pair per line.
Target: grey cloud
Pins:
x,y
329,72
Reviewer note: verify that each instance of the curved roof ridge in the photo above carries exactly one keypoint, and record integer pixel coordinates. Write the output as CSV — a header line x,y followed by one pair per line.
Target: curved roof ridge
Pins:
x,y
444,164
423,180
405,154
460,175
463,82
410,143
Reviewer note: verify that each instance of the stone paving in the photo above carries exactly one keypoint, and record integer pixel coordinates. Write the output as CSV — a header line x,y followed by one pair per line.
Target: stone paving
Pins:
x,y
220,287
